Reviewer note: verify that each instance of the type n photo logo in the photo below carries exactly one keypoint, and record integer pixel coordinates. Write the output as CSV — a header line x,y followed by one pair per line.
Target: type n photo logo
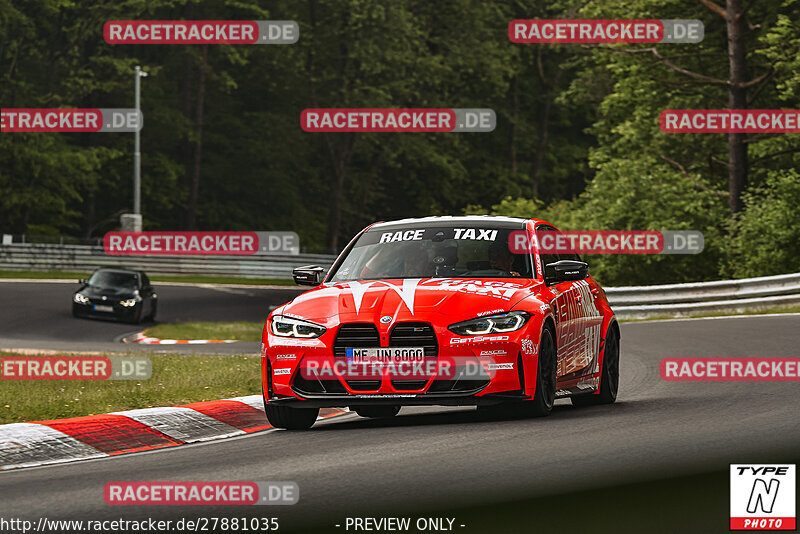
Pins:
x,y
763,497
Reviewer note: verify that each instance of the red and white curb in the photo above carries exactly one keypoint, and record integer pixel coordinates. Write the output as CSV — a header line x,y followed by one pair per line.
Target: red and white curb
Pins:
x,y
97,436
146,340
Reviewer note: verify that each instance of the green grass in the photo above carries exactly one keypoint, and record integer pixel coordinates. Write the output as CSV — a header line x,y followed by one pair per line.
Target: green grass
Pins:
x,y
48,275
240,331
176,379
754,311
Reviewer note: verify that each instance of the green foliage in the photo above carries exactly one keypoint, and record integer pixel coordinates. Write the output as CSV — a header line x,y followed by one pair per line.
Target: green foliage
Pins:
x,y
577,140
766,238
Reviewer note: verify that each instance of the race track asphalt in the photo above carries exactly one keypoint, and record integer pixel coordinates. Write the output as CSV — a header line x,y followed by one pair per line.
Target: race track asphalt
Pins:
x,y
39,315
431,459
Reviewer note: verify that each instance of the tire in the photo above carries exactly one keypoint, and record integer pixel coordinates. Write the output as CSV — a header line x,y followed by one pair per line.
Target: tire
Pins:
x,y
609,379
546,373
377,411
291,418
152,317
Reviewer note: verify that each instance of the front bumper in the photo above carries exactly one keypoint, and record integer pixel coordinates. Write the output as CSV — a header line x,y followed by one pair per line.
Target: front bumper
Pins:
x,y
421,399
510,368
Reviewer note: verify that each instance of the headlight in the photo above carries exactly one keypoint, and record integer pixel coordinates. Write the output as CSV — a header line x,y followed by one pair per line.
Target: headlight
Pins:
x,y
128,303
491,324
80,299
289,327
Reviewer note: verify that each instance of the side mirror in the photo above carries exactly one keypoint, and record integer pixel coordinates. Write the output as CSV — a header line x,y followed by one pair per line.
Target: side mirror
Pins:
x,y
83,281
565,271
310,275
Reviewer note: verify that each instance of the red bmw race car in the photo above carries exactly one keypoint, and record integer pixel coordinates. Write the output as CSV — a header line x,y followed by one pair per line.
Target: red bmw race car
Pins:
x,y
441,311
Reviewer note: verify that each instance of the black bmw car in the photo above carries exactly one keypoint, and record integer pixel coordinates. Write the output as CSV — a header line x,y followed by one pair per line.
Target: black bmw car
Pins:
x,y
116,294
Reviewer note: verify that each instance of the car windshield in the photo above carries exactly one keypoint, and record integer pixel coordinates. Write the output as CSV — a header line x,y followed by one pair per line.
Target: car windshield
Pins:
x,y
113,279
450,252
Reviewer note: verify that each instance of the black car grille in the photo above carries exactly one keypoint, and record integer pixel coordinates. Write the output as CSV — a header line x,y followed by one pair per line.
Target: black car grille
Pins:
x,y
414,335
355,335
410,334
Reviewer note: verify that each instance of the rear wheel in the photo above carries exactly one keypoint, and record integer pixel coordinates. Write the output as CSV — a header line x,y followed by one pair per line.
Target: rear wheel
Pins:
x,y
376,411
609,380
545,395
291,418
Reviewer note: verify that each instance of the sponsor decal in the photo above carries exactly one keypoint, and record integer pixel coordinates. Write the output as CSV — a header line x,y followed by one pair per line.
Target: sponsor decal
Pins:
x,y
286,357
118,120
476,339
75,368
606,31
200,243
201,32
730,369
492,288
282,371
497,366
200,493
397,120
493,353
491,312
729,121
591,383
529,347
763,497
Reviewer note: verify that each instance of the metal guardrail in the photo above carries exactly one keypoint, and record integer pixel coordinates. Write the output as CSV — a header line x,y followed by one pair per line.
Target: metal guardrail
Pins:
x,y
628,302
81,258
635,302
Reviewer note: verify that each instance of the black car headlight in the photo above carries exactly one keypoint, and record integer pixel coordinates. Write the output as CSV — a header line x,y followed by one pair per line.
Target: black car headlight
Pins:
x,y
290,327
491,324
80,299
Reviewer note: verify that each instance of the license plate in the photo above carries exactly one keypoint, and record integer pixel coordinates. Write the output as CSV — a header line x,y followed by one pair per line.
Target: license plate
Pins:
x,y
386,354
101,308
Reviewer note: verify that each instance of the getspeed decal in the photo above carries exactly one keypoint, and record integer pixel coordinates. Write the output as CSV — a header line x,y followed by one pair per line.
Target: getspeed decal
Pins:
x,y
476,339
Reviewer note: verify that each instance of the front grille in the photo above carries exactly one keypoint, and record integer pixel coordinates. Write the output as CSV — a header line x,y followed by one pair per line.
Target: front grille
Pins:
x,y
355,335
365,335
414,335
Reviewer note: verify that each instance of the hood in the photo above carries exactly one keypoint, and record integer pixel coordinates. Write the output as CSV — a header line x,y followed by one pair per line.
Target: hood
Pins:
x,y
110,292
408,299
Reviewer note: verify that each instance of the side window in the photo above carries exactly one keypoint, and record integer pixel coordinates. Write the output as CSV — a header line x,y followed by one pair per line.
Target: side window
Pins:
x,y
550,258
546,258
145,280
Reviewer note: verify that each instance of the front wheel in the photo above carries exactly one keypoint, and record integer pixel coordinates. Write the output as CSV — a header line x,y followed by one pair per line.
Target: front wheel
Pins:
x,y
377,411
291,418
545,395
609,380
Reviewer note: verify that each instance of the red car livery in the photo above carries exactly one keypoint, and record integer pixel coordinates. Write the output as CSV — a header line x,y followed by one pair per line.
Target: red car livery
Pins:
x,y
441,311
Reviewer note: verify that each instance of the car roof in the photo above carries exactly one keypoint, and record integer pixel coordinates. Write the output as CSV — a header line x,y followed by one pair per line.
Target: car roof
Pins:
x,y
492,220
118,270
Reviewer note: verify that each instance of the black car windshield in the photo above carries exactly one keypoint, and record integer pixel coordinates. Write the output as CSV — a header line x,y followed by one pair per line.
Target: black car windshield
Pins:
x,y
114,279
424,252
